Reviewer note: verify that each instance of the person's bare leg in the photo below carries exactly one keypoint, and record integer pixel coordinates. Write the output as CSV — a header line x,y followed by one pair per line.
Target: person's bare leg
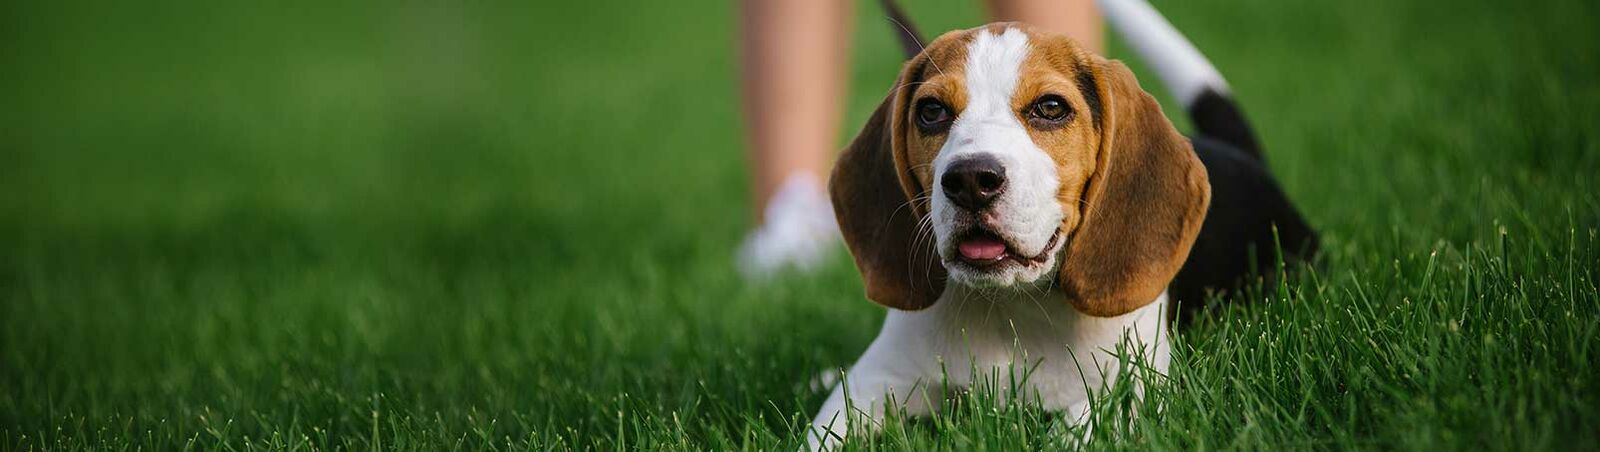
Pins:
x,y
1078,19
793,55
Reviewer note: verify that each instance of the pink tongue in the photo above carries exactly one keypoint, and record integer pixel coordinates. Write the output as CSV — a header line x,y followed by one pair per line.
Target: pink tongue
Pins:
x,y
982,249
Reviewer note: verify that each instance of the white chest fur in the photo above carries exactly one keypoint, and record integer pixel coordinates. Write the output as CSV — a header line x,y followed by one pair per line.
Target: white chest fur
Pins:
x,y
1055,354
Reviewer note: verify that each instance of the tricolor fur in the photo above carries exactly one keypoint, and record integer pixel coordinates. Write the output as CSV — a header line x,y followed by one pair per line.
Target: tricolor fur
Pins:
x,y
1023,206
1099,207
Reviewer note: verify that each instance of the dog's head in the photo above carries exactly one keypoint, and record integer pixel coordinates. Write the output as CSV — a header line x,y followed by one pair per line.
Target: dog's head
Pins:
x,y
1009,157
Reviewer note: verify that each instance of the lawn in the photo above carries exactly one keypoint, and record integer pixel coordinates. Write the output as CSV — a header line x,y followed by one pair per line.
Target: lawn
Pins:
x,y
316,226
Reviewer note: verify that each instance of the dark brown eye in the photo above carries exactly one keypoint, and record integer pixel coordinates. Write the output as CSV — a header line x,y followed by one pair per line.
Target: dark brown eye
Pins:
x,y
932,116
1049,110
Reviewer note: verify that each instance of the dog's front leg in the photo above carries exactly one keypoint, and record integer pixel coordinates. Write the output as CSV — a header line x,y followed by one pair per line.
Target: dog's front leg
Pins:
x,y
894,373
860,402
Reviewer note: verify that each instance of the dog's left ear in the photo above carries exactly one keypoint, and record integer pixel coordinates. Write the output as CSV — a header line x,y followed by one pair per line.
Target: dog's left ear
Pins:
x,y
1145,201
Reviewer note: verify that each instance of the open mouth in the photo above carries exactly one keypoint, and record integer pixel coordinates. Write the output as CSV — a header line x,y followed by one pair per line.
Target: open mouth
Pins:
x,y
983,248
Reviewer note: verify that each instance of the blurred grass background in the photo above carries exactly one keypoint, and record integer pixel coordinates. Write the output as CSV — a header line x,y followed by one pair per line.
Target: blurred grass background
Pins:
x,y
485,225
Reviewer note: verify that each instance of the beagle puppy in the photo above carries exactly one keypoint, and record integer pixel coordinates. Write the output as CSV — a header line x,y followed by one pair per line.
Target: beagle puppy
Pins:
x,y
1022,206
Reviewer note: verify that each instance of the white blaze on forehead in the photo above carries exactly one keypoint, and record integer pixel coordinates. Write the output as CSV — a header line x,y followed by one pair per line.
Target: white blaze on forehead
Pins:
x,y
994,64
1025,214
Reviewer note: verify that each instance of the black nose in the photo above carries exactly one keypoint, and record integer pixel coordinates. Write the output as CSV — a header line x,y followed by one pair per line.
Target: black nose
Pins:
x,y
973,183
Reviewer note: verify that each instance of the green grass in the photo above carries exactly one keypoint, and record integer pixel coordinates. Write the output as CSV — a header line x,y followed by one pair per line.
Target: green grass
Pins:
x,y
511,226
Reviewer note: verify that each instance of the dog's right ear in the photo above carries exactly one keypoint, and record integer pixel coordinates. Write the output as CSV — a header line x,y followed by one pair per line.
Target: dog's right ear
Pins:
x,y
872,200
1143,207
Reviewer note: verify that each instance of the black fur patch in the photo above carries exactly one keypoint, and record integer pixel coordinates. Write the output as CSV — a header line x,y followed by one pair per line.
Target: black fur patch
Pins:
x,y
1248,221
1091,94
1218,117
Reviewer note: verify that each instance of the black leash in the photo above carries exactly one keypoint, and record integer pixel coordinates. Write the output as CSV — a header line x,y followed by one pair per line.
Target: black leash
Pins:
x,y
910,41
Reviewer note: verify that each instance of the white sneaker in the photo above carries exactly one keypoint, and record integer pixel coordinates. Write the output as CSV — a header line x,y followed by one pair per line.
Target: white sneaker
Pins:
x,y
797,230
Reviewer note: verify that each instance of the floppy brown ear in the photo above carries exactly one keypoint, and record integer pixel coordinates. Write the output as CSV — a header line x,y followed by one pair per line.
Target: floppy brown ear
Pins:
x,y
1145,202
878,222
